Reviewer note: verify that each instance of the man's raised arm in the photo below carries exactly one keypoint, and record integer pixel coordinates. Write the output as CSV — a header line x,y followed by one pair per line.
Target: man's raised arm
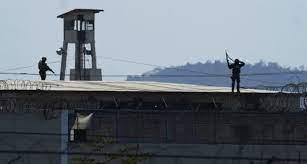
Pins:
x,y
242,63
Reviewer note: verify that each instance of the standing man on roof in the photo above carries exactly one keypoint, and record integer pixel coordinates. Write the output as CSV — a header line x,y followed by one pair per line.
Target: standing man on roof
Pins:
x,y
43,68
236,69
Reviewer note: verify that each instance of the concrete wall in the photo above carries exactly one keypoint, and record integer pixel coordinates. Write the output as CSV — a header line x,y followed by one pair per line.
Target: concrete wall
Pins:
x,y
209,154
28,132
200,137
242,154
187,127
74,100
185,123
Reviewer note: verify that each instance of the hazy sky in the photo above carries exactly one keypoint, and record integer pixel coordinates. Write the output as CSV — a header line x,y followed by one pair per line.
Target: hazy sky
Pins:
x,y
161,32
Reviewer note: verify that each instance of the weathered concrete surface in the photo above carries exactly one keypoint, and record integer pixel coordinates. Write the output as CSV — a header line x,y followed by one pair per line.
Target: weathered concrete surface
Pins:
x,y
162,118
183,127
116,86
181,137
212,154
28,132
191,101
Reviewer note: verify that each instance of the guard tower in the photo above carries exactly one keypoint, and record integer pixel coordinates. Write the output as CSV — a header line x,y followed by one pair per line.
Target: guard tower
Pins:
x,y
79,29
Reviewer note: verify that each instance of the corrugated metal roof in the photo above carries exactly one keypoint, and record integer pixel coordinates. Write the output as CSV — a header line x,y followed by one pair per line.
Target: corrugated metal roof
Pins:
x,y
115,86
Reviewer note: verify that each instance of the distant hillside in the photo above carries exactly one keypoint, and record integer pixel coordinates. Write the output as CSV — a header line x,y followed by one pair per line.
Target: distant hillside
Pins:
x,y
217,73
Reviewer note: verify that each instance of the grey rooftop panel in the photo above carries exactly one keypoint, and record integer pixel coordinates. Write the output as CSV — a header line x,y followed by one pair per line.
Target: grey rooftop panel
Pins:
x,y
116,86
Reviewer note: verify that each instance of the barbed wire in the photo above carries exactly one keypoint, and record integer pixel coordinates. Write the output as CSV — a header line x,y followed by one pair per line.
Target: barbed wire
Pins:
x,y
162,75
300,88
24,67
200,73
26,85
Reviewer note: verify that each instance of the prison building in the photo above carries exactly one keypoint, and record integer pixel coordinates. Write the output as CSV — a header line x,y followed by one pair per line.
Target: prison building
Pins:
x,y
72,121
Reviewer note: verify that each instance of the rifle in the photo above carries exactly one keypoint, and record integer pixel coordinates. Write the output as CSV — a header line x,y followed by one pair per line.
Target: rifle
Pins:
x,y
227,56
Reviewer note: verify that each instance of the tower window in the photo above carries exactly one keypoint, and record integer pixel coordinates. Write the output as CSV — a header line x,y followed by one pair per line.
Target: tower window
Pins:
x,y
90,25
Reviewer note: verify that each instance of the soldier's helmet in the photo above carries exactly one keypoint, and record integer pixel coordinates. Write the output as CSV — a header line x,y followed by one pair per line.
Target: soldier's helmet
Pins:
x,y
44,58
237,61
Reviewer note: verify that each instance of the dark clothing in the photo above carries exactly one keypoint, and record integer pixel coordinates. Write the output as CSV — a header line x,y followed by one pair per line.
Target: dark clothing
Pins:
x,y
43,75
234,80
236,70
43,68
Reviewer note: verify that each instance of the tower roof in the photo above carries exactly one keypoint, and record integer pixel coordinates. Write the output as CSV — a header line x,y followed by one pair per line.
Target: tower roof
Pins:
x,y
80,10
